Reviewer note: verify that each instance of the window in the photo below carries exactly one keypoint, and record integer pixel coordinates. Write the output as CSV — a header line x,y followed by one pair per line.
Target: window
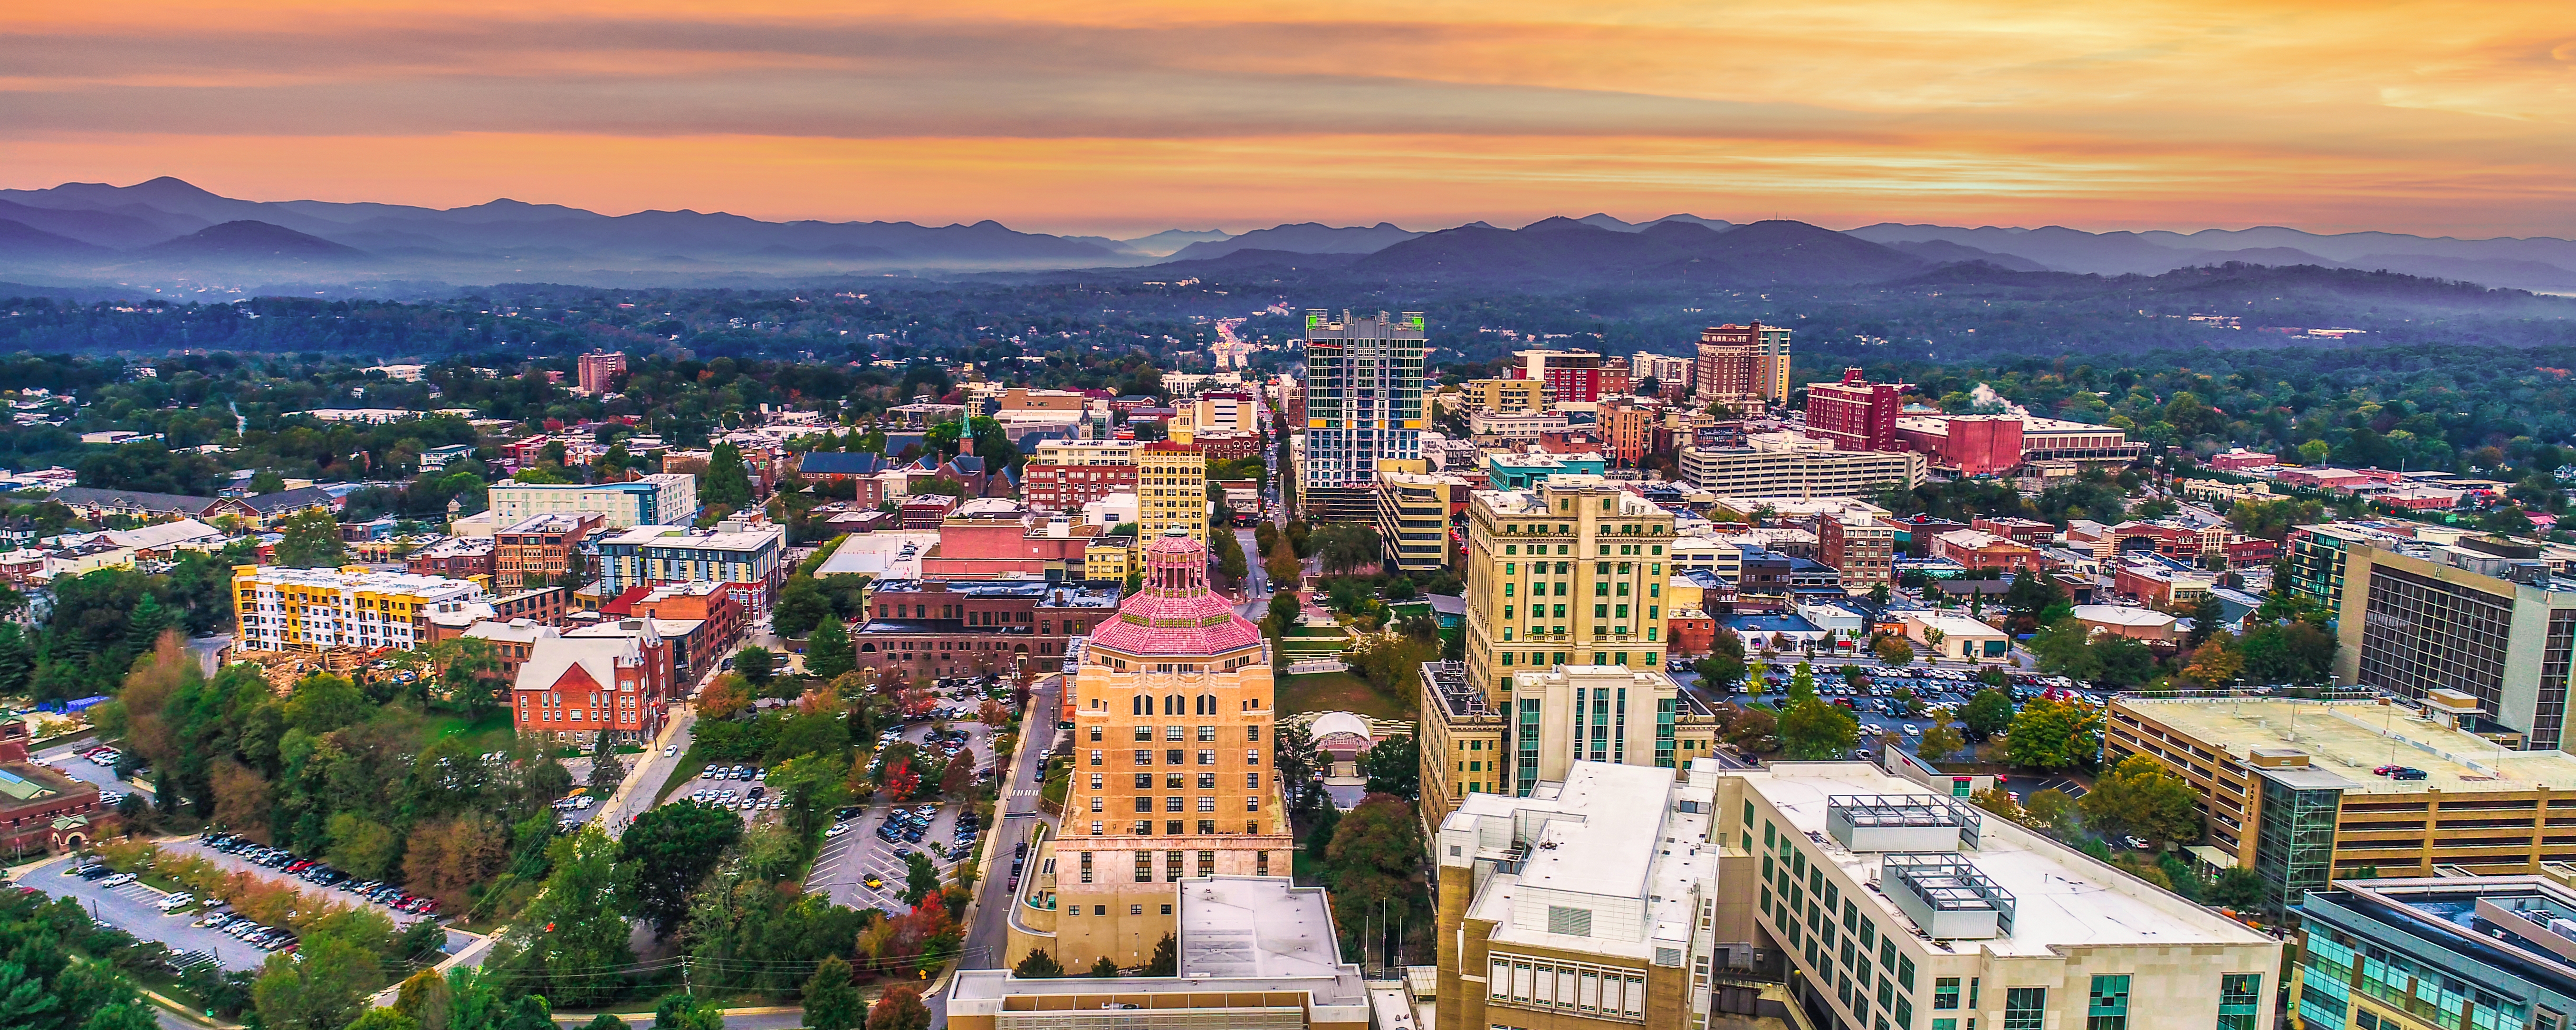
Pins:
x,y
2239,994
1144,804
1095,758
2106,1007
1252,781
1252,757
1207,733
1176,733
1095,804
1086,862
1145,733
1144,781
2026,1008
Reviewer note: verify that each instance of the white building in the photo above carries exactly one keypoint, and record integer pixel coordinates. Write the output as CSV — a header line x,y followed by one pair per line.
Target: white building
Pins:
x,y
660,499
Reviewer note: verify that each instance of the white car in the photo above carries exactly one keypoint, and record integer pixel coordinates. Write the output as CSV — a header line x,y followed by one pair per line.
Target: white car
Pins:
x,y
672,751
118,880
176,902
837,830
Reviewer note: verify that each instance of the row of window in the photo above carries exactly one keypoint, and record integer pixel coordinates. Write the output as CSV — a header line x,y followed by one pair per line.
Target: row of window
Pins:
x,y
1571,986
1172,828
1176,756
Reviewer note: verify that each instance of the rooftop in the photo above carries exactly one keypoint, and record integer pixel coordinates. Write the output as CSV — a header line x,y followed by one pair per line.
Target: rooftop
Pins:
x,y
358,577
2058,896
2503,921
714,539
1625,845
1050,593
2348,739
1256,927
1457,697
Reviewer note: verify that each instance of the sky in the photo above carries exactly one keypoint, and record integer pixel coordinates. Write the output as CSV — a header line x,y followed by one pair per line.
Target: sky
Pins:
x,y
1125,117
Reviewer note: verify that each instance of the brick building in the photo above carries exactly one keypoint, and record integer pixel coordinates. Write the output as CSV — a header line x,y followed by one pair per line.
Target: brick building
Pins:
x,y
540,550
991,537
1627,431
1856,414
701,620
42,810
1562,375
1861,546
958,627
1064,475
580,688
453,558
600,373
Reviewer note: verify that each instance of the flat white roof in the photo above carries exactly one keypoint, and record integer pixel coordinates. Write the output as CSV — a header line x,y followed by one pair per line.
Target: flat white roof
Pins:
x,y
2061,897
1263,927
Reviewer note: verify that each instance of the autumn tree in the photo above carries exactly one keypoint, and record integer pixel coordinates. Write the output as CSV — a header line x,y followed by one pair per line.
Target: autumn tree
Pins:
x,y
2140,797
899,1008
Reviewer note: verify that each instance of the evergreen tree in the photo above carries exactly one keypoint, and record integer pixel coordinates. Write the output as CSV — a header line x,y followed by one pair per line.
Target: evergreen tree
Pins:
x,y
1103,968
149,620
17,659
725,481
1038,965
1167,958
831,1001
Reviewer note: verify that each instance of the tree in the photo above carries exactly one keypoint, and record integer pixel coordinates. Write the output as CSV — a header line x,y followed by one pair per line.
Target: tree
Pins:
x,y
753,663
687,1012
2207,614
672,848
1892,650
322,988
1167,958
899,1008
832,1002
2140,797
1347,547
1941,741
829,653
1394,766
802,605
1996,801
725,481
920,878
1038,965
310,539
1103,968
2052,810
607,771
811,787
2238,888
1812,730
2215,664
2055,735
1987,714
575,926
387,1019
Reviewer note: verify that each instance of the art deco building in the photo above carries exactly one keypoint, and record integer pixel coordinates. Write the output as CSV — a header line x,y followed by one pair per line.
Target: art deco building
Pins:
x,y
1171,774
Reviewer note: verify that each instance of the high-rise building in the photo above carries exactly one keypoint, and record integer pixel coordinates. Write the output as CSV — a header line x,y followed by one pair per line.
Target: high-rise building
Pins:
x,y
1856,414
1171,490
1627,430
2493,619
1672,375
1413,517
282,609
1172,777
599,372
1363,407
1564,645
1742,365
1903,908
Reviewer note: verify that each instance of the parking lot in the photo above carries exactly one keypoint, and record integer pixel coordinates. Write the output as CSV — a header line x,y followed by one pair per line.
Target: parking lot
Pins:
x,y
339,895
858,850
1943,689
69,760
136,909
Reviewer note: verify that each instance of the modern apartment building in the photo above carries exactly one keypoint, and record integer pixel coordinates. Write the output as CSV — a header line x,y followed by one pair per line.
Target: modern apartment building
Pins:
x,y
1171,491
1508,471
1507,742
1586,904
1413,517
1505,396
2436,953
1519,425
1627,430
1363,406
1259,953
1856,414
1777,468
2495,619
1742,365
746,557
1900,909
1171,780
282,609
2292,789
659,499
1064,475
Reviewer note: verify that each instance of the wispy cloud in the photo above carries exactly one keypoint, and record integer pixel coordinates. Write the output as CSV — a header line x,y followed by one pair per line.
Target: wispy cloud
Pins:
x,y
2416,116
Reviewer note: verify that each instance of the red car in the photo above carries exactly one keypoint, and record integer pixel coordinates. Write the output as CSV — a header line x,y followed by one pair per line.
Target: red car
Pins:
x,y
299,865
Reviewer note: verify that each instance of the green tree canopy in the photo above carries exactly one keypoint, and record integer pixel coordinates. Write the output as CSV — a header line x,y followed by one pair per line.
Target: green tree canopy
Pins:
x,y
2055,735
671,849
2140,797
1811,730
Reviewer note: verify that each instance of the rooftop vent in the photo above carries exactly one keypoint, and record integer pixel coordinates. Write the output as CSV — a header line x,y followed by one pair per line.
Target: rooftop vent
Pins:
x,y
1871,823
1947,896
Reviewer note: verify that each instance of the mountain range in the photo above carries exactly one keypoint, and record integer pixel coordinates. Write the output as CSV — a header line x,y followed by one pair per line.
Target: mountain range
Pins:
x,y
167,230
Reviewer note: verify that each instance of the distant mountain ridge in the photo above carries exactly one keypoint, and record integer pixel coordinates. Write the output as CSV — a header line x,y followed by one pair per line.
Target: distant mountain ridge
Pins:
x,y
97,232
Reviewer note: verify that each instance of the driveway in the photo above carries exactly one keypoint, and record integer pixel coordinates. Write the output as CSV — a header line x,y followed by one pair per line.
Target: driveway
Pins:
x,y
62,759
135,908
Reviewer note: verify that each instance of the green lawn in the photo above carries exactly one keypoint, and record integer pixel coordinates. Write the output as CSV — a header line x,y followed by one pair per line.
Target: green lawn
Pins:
x,y
692,762
490,733
1339,692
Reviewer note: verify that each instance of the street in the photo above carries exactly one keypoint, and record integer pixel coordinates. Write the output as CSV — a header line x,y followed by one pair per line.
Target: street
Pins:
x,y
63,759
1014,818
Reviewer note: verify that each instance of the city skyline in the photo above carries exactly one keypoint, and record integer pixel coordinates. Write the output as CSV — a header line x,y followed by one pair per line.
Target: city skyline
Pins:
x,y
1131,118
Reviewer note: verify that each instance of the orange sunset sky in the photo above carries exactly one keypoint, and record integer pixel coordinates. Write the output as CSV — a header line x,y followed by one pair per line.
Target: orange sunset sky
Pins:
x,y
1130,116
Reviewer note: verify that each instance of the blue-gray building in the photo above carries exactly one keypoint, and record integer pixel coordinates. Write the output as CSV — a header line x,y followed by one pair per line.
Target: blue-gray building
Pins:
x,y
2437,953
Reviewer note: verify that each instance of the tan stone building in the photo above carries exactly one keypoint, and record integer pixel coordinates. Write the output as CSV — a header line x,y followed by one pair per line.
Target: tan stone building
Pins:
x,y
1172,777
1171,491
1506,396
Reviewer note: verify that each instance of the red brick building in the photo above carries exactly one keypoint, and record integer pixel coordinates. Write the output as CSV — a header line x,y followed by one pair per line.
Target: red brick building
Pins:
x,y
1968,445
43,810
1856,414
931,628
538,551
1627,432
580,688
700,619
2239,459
1976,549
1069,487
1691,631
2026,532
926,511
1227,444
454,558
990,538
1566,375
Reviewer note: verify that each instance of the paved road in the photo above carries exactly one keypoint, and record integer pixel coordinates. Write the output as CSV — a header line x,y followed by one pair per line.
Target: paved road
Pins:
x,y
637,794
1015,818
135,909
235,863
61,758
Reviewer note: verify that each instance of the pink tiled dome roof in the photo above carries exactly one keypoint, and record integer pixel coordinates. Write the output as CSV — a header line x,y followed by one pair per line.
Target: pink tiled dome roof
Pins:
x,y
1175,614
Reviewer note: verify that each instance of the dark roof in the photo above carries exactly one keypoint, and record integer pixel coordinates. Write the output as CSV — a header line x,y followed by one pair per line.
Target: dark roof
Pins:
x,y
298,499
968,464
83,495
842,463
